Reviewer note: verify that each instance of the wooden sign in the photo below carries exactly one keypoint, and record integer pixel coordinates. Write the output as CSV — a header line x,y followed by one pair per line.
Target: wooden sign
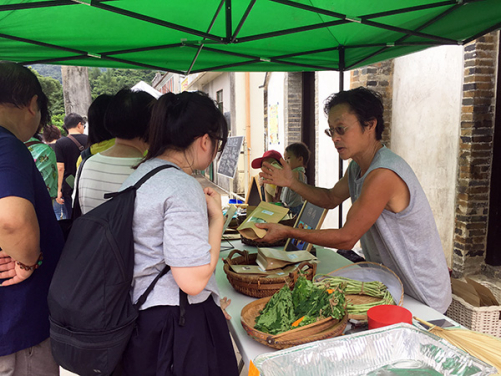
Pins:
x,y
228,163
311,217
254,197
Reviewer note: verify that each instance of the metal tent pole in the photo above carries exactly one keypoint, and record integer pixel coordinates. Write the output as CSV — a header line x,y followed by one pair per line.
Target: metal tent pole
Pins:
x,y
340,161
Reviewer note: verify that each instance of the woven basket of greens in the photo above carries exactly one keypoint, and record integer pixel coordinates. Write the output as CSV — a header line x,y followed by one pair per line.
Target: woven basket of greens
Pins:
x,y
367,284
290,318
260,286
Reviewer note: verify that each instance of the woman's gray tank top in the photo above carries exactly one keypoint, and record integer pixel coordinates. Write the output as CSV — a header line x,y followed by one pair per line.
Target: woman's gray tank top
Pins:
x,y
407,242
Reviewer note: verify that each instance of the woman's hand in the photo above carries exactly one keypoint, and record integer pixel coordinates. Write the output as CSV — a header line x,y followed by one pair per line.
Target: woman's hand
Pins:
x,y
280,177
213,200
11,272
225,302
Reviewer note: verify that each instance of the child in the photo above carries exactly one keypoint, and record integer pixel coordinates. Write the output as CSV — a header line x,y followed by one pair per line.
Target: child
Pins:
x,y
179,224
272,192
297,156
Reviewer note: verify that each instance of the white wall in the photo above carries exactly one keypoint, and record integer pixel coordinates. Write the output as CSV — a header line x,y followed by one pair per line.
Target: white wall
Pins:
x,y
276,106
327,161
427,89
256,118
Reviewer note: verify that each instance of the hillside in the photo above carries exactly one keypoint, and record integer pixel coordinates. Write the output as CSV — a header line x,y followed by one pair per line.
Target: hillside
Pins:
x,y
47,70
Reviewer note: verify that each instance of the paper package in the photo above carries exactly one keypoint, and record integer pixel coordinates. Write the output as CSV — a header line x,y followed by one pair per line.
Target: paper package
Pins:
x,y
264,213
271,258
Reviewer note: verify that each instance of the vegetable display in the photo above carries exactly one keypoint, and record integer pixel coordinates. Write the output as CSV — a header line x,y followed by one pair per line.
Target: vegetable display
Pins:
x,y
305,304
375,289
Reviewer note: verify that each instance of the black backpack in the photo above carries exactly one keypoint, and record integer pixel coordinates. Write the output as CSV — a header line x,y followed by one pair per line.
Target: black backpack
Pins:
x,y
91,313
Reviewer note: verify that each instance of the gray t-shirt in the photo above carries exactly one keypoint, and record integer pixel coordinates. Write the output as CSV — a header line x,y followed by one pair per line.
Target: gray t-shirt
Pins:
x,y
407,242
170,227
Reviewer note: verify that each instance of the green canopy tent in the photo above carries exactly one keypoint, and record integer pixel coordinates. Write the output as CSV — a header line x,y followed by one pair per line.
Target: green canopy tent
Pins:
x,y
190,36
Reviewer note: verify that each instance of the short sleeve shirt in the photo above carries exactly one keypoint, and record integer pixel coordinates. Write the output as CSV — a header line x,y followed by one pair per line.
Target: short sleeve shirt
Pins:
x,y
24,314
67,152
170,227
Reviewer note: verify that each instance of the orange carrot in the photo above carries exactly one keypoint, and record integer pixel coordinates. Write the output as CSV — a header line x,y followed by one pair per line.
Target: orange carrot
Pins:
x,y
296,323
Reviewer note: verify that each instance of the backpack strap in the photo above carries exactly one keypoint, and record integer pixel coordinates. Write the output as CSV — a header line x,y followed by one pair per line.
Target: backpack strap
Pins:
x,y
77,209
141,181
145,294
75,141
86,154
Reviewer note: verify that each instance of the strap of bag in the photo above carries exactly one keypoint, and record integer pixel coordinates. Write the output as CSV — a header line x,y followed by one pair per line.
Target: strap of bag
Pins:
x,y
145,294
141,181
86,154
77,209
75,141
28,144
183,297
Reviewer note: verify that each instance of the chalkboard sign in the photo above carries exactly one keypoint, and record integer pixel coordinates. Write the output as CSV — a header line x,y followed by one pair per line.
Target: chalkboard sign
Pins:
x,y
311,217
254,193
229,159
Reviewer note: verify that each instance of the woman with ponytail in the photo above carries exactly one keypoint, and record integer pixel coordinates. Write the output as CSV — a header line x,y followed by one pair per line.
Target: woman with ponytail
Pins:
x,y
177,223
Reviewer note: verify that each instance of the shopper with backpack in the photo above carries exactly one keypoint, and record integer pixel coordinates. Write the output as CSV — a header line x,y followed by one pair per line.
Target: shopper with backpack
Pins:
x,y
176,223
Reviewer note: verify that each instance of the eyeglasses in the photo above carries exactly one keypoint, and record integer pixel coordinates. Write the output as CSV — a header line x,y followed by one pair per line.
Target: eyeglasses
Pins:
x,y
339,130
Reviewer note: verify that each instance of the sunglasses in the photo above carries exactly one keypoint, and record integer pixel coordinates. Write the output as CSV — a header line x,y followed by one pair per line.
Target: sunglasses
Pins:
x,y
339,130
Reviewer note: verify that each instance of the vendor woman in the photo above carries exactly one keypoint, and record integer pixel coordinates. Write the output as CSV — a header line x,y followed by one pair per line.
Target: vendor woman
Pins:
x,y
390,213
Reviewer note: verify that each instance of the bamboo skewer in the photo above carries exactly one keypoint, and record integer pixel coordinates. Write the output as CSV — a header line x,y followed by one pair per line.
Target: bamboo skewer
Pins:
x,y
479,345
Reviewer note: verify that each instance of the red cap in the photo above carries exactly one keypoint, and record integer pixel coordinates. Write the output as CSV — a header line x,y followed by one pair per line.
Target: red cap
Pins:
x,y
256,163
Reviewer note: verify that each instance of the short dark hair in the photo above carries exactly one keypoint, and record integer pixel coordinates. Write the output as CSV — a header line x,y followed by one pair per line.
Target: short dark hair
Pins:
x,y
128,114
51,133
72,120
366,104
299,149
18,85
178,119
95,115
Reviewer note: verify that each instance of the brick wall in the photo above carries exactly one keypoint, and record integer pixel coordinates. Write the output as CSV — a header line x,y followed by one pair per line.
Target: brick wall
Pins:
x,y
475,154
378,77
293,107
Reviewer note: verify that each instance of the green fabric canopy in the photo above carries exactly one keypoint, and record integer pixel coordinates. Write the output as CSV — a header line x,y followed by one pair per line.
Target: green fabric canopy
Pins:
x,y
189,36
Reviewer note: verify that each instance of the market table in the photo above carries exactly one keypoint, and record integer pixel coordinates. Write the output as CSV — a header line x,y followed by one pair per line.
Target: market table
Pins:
x,y
329,260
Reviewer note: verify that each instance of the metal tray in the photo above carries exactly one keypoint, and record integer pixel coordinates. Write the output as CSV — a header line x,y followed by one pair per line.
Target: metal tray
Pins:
x,y
400,349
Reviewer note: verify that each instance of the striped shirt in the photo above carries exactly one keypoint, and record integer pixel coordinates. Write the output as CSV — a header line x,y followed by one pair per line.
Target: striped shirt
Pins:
x,y
100,175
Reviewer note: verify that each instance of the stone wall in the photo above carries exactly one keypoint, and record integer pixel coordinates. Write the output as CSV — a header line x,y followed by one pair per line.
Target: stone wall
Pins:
x,y
475,154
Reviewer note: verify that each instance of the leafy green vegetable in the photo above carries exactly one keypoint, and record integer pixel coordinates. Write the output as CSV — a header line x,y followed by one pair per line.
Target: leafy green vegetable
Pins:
x,y
306,300
278,314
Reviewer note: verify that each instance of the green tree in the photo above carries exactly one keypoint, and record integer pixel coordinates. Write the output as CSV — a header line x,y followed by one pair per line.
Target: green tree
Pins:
x,y
54,92
112,80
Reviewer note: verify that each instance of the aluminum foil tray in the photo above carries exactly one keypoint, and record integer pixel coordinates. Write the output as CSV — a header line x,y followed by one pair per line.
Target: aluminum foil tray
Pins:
x,y
400,349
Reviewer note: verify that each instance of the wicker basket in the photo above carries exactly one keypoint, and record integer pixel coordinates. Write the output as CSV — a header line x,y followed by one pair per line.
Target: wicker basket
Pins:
x,y
369,271
260,286
480,319
254,243
322,329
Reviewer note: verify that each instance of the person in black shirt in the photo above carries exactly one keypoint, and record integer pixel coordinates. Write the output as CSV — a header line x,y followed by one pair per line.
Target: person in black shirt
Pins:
x,y
67,151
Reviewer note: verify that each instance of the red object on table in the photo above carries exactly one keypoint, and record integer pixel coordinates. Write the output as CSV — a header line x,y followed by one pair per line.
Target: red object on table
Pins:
x,y
384,315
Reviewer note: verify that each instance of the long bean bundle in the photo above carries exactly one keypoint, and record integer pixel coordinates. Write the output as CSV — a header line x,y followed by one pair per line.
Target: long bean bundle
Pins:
x,y
375,289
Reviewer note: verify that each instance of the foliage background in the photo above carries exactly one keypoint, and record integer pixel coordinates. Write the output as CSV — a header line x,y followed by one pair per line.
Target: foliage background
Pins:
x,y
101,80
